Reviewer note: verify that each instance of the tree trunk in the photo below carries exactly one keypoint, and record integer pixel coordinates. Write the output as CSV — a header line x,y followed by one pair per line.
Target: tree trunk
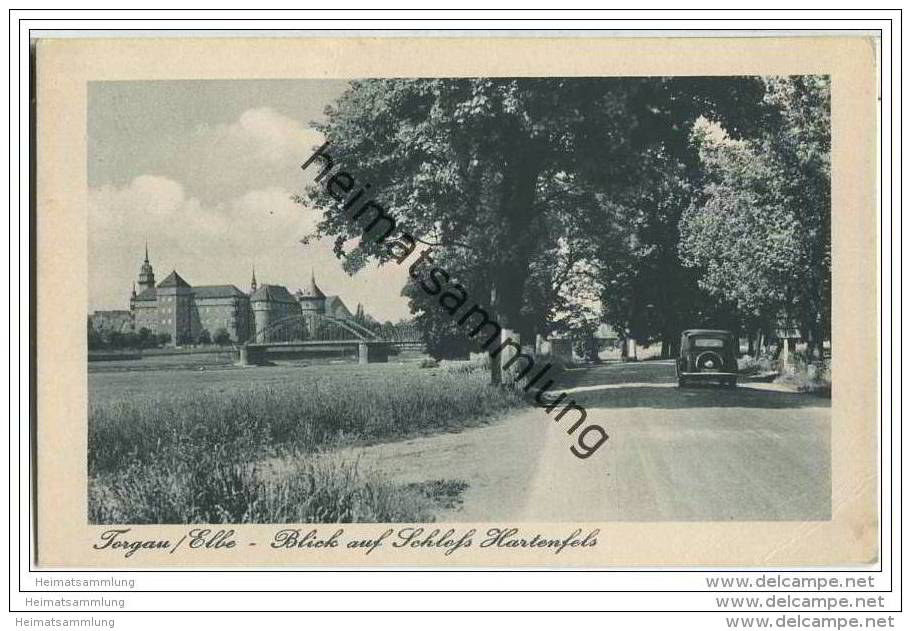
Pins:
x,y
496,372
761,342
518,232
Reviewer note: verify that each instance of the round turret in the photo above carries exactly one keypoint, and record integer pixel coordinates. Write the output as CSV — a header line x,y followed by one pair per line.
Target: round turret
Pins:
x,y
312,298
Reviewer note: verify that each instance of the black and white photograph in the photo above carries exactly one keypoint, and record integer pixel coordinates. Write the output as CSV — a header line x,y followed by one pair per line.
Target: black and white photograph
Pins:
x,y
553,299
336,312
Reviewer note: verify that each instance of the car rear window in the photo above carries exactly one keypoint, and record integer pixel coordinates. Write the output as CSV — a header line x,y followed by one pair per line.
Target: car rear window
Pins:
x,y
708,342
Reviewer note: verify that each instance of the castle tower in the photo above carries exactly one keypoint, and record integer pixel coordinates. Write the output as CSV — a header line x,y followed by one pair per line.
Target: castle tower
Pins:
x,y
175,297
272,304
146,275
262,310
312,299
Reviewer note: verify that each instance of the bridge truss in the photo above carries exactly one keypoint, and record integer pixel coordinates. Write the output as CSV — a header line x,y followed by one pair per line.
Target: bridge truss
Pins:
x,y
314,327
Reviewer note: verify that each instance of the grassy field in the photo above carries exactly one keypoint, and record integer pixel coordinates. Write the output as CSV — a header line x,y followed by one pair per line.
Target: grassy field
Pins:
x,y
165,361
182,446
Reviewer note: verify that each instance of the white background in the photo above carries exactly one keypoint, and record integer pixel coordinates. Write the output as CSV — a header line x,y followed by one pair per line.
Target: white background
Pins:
x,y
426,591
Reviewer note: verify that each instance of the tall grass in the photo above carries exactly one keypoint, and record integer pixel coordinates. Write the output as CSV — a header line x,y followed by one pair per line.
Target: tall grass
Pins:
x,y
306,417
191,458
210,490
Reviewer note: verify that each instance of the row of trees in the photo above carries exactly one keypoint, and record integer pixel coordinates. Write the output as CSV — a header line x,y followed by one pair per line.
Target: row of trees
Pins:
x,y
653,204
389,330
145,338
109,339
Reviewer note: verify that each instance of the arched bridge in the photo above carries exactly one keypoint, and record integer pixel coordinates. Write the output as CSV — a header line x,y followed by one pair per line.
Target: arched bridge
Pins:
x,y
314,335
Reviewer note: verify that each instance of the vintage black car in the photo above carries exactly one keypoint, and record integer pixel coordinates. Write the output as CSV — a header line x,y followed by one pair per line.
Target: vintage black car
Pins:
x,y
707,355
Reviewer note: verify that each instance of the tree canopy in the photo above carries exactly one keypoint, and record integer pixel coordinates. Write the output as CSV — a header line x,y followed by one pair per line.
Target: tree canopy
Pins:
x,y
533,192
759,234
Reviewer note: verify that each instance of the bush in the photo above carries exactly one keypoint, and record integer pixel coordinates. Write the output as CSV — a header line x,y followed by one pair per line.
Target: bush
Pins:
x,y
807,375
222,337
748,365
479,364
146,339
95,340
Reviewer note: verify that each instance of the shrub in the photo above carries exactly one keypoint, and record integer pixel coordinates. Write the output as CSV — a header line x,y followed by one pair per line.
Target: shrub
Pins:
x,y
467,367
808,375
222,337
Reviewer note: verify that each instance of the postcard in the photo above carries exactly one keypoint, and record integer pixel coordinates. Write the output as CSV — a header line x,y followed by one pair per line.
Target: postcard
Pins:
x,y
475,302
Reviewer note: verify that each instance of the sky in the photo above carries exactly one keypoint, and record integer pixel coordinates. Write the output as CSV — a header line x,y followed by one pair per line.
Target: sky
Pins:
x,y
204,171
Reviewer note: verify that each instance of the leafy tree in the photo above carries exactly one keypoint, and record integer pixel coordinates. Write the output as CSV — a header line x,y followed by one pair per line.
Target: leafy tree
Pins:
x,y
464,165
145,338
442,337
222,337
365,319
760,234
129,340
204,337
115,339
95,340
648,292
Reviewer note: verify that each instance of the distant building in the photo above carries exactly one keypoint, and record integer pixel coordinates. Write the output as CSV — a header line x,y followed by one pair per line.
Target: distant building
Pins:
x,y
114,321
184,311
336,308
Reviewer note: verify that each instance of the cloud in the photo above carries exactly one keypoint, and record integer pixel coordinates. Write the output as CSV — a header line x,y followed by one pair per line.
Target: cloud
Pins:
x,y
268,136
196,236
222,203
261,148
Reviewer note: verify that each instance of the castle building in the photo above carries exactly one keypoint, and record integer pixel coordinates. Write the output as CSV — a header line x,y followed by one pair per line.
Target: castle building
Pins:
x,y
184,311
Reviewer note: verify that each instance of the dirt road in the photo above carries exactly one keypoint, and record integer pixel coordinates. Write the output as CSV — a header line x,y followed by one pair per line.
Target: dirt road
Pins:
x,y
700,453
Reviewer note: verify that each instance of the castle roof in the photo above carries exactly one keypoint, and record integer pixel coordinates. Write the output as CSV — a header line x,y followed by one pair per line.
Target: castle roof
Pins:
x,y
312,291
217,291
174,280
336,306
272,293
148,293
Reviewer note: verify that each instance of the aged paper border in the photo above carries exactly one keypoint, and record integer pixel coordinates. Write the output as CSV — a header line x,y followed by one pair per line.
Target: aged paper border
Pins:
x,y
64,66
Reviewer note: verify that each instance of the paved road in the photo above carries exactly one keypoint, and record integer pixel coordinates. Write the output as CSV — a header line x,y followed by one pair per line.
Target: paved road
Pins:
x,y
700,453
